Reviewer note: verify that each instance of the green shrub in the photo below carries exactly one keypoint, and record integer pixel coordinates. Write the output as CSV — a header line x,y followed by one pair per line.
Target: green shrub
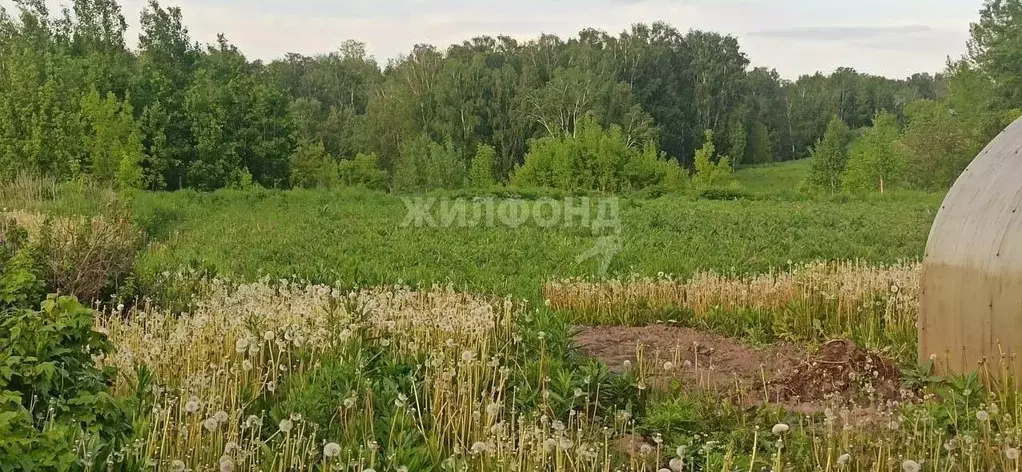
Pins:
x,y
711,170
363,171
312,166
52,392
481,173
594,158
423,164
829,156
732,192
21,280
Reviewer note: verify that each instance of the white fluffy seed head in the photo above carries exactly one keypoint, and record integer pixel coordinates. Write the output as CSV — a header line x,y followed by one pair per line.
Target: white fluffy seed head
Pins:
x,y
192,405
221,416
226,464
331,450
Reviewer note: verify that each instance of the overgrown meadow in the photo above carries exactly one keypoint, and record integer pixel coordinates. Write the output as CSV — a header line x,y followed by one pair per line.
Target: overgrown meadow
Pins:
x,y
311,330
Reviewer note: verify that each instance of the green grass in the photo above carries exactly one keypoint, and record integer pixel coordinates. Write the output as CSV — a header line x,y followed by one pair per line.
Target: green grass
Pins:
x,y
357,238
777,177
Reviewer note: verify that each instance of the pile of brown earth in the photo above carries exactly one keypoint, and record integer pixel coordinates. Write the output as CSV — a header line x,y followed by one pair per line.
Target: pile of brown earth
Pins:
x,y
839,369
839,372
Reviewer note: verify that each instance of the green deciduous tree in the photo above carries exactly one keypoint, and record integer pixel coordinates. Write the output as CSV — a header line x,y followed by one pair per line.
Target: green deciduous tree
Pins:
x,y
711,169
424,164
481,172
875,162
937,146
113,141
830,156
312,166
996,46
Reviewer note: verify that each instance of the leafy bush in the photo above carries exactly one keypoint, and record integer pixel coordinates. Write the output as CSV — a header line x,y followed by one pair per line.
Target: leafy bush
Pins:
x,y
830,156
423,164
708,172
21,283
481,173
363,171
51,391
113,140
936,147
312,166
594,158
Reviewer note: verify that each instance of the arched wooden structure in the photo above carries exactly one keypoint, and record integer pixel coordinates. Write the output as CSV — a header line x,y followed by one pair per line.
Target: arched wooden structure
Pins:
x,y
970,306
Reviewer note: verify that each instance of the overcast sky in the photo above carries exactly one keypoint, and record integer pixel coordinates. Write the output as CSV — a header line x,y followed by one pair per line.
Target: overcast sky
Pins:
x,y
888,37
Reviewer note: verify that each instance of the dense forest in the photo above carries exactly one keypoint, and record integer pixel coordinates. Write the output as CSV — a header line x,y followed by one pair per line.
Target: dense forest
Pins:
x,y
609,112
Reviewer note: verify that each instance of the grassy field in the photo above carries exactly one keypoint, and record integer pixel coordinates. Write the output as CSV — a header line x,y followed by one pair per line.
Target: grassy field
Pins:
x,y
404,348
358,238
782,177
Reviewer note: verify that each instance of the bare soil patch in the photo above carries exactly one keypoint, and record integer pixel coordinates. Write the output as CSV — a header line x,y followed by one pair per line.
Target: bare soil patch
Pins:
x,y
838,374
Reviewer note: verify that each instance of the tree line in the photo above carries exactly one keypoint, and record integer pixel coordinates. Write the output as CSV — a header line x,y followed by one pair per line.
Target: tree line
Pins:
x,y
600,111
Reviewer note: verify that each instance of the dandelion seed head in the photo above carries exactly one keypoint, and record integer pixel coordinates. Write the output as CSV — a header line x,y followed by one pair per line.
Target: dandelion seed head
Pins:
x,y
226,464
780,428
221,416
331,449
192,405
285,426
480,447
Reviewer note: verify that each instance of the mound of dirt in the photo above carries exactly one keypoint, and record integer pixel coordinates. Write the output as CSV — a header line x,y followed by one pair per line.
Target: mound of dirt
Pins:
x,y
839,369
703,360
840,372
